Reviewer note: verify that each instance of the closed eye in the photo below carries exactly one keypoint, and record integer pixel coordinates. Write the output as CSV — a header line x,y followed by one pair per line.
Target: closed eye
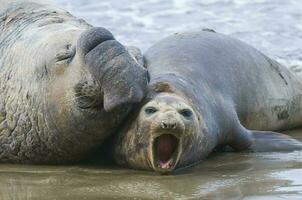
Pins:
x,y
65,54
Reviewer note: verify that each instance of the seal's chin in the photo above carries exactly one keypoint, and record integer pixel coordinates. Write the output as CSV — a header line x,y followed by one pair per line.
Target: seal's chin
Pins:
x,y
166,150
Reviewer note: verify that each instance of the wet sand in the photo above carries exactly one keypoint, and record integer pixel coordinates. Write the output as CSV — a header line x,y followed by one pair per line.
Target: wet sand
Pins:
x,y
248,176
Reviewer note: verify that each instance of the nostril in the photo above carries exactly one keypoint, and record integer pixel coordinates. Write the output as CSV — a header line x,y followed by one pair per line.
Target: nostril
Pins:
x,y
167,125
164,125
173,126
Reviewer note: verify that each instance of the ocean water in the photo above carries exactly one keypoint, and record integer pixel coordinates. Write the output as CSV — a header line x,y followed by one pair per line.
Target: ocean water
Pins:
x,y
272,26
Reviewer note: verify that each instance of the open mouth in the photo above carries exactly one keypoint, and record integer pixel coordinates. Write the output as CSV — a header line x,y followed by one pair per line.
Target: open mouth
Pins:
x,y
165,152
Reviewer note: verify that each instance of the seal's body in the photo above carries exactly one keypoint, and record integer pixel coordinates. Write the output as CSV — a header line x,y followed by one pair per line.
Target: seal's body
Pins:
x,y
208,90
65,86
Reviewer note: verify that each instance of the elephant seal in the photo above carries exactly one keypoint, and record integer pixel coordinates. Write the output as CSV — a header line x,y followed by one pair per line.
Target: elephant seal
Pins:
x,y
208,91
65,86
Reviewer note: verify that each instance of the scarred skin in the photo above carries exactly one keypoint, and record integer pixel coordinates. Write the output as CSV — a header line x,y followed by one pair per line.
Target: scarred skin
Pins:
x,y
209,91
65,86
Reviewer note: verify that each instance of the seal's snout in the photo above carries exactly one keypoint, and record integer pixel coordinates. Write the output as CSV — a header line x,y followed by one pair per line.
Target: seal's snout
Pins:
x,y
170,122
168,125
121,79
91,38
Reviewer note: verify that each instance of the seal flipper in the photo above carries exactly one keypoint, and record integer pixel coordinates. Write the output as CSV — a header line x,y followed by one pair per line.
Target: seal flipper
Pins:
x,y
267,141
264,141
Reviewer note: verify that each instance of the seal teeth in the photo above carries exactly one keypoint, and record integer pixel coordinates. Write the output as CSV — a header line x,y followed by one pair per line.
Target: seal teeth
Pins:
x,y
165,165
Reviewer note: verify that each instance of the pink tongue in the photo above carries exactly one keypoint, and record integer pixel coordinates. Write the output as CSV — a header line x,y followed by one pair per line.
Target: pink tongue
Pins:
x,y
165,147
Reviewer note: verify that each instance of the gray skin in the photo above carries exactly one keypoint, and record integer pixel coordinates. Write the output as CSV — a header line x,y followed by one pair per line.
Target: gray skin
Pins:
x,y
208,91
65,86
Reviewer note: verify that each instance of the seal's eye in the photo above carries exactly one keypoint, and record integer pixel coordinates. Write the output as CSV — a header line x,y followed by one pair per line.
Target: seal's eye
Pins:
x,y
186,113
66,54
150,110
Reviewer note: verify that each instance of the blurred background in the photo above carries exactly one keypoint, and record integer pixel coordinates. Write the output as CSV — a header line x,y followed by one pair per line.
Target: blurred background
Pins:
x,y
272,26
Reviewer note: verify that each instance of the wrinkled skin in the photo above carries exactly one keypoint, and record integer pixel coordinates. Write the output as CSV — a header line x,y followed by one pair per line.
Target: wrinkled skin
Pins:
x,y
209,91
65,86
162,114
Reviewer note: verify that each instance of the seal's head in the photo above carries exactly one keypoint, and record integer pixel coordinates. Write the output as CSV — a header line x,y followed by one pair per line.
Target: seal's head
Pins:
x,y
71,84
166,134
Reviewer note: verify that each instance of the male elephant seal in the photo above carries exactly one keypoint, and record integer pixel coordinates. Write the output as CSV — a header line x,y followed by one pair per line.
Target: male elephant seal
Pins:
x,y
208,90
65,86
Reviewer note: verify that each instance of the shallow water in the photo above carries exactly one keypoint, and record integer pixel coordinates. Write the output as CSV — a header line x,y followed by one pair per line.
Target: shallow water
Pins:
x,y
273,27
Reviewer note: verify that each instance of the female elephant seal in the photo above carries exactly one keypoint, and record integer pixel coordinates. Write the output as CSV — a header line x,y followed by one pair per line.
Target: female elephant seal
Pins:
x,y
65,86
208,90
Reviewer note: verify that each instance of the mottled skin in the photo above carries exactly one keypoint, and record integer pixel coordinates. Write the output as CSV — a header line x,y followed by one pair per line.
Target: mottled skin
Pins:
x,y
65,86
210,91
